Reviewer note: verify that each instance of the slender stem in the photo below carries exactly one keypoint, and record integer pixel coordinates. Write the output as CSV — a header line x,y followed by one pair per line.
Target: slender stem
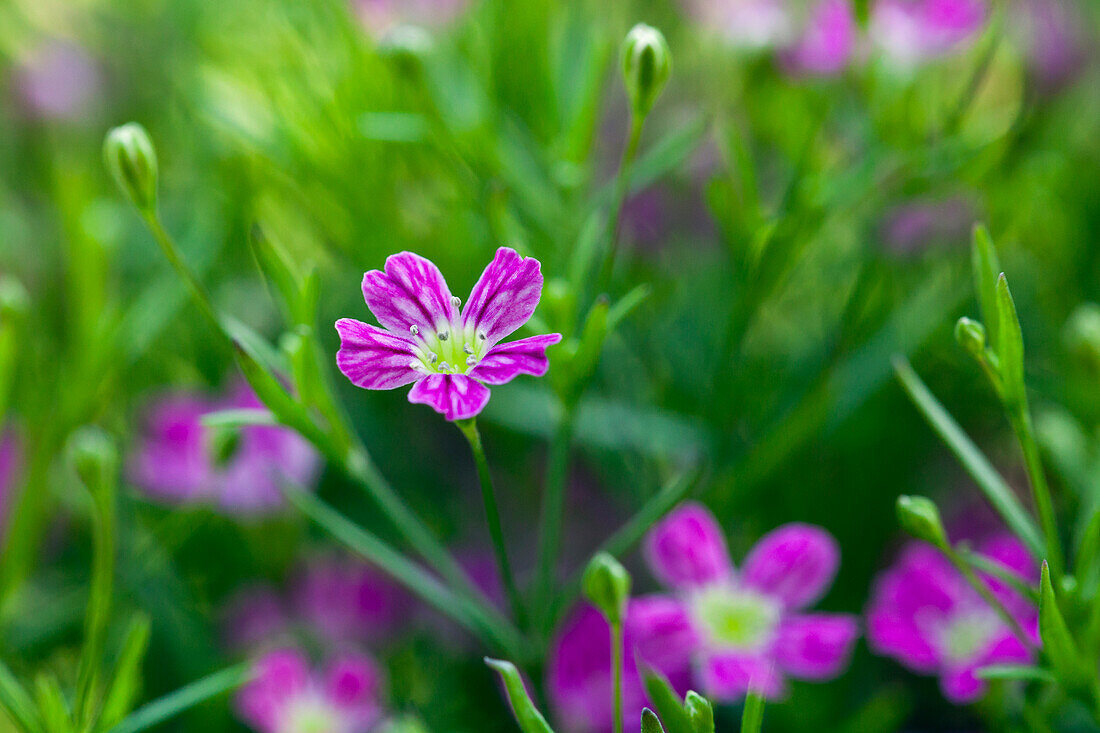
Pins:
x,y
1020,417
622,185
98,613
990,567
987,595
492,516
171,251
617,673
553,506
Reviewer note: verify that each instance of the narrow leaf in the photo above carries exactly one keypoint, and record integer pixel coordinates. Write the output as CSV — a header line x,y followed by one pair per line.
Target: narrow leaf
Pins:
x,y
126,680
650,722
1010,348
51,704
1058,644
17,703
667,702
238,418
998,493
527,715
183,699
1022,672
986,269
752,718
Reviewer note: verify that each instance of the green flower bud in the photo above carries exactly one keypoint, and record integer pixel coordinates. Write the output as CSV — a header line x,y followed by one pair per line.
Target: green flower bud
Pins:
x,y
971,336
700,712
94,457
1083,336
650,722
14,300
132,160
607,584
919,517
647,64
406,45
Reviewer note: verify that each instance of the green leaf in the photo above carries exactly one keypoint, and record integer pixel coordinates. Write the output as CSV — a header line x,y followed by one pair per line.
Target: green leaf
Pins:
x,y
52,705
626,305
1010,347
17,703
1021,672
184,699
238,418
527,715
752,718
1058,644
976,464
273,360
700,711
126,680
650,722
667,702
986,270
275,266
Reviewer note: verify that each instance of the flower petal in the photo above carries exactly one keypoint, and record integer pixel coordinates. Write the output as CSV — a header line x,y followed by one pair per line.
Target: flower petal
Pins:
x,y
373,358
796,563
454,396
815,646
411,292
688,549
278,678
352,685
728,676
505,295
659,630
505,362
960,685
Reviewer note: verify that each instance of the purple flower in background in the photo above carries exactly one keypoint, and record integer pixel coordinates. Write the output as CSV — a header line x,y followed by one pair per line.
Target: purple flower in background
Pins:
x,y
59,80
657,630
255,618
342,599
751,625
11,463
924,614
829,39
287,696
748,24
381,16
920,224
425,341
913,31
1050,31
177,459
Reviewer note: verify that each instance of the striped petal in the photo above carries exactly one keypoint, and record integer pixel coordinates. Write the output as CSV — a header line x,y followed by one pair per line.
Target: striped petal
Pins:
x,y
505,362
373,358
505,296
411,292
454,396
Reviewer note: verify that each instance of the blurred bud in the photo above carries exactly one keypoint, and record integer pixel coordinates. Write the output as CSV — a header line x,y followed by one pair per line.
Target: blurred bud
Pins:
x,y
94,457
700,712
607,584
14,300
647,64
971,336
650,722
1083,336
919,517
406,45
132,161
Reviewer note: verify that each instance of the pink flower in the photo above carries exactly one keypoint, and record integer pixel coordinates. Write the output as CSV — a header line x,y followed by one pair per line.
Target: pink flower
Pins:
x,y
176,459
924,614
828,41
425,341
342,599
59,80
657,630
287,696
11,461
751,625
381,16
913,31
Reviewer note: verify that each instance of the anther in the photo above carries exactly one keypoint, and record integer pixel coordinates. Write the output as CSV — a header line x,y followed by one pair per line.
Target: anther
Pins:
x,y
481,335
432,357
414,330
456,301
444,366
467,348
443,335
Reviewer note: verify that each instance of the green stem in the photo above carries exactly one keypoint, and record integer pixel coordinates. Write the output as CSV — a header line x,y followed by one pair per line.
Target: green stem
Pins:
x,y
1020,417
553,506
98,614
987,595
492,516
622,185
171,251
617,673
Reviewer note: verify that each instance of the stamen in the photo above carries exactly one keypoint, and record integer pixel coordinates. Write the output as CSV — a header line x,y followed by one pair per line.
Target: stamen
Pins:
x,y
471,360
443,335
432,357
481,335
414,330
444,366
456,301
467,348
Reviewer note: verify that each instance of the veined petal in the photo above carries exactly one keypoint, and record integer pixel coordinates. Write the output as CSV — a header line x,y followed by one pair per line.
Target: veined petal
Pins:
x,y
505,295
373,358
505,362
687,549
815,646
411,292
728,676
454,396
659,630
795,563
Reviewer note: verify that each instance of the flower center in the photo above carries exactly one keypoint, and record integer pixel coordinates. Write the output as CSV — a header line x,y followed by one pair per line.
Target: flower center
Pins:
x,y
310,715
448,350
968,635
736,618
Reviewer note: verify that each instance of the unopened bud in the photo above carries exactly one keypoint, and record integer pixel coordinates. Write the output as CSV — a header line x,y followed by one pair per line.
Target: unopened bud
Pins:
x,y
919,517
650,722
607,584
1083,336
132,160
700,712
14,301
971,336
94,457
647,64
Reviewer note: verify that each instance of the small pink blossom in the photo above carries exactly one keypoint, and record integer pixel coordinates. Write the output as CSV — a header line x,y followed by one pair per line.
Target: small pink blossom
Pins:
x,y
448,356
11,463
924,614
59,80
286,695
381,16
176,459
910,32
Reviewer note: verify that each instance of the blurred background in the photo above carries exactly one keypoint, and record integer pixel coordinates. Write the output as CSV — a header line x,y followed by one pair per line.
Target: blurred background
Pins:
x,y
801,210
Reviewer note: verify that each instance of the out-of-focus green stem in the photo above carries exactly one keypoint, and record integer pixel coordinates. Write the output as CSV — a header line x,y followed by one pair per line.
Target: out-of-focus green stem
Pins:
x,y
98,614
1020,417
622,185
492,516
987,595
171,252
553,506
617,673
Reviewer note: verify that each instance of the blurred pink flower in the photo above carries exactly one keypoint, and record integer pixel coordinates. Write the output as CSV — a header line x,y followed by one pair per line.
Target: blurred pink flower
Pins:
x,y
924,614
255,617
751,625
827,43
11,465
176,457
381,16
920,224
59,80
287,696
448,356
910,32
342,599
1052,36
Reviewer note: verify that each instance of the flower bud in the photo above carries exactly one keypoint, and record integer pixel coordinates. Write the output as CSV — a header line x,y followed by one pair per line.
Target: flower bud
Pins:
x,y
94,457
14,300
919,517
971,336
132,161
1083,336
647,63
607,584
650,722
700,712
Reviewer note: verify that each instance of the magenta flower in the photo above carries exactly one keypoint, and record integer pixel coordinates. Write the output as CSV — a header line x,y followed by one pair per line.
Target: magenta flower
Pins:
x,y
657,630
177,460
828,41
425,341
342,599
924,614
751,627
910,32
287,696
